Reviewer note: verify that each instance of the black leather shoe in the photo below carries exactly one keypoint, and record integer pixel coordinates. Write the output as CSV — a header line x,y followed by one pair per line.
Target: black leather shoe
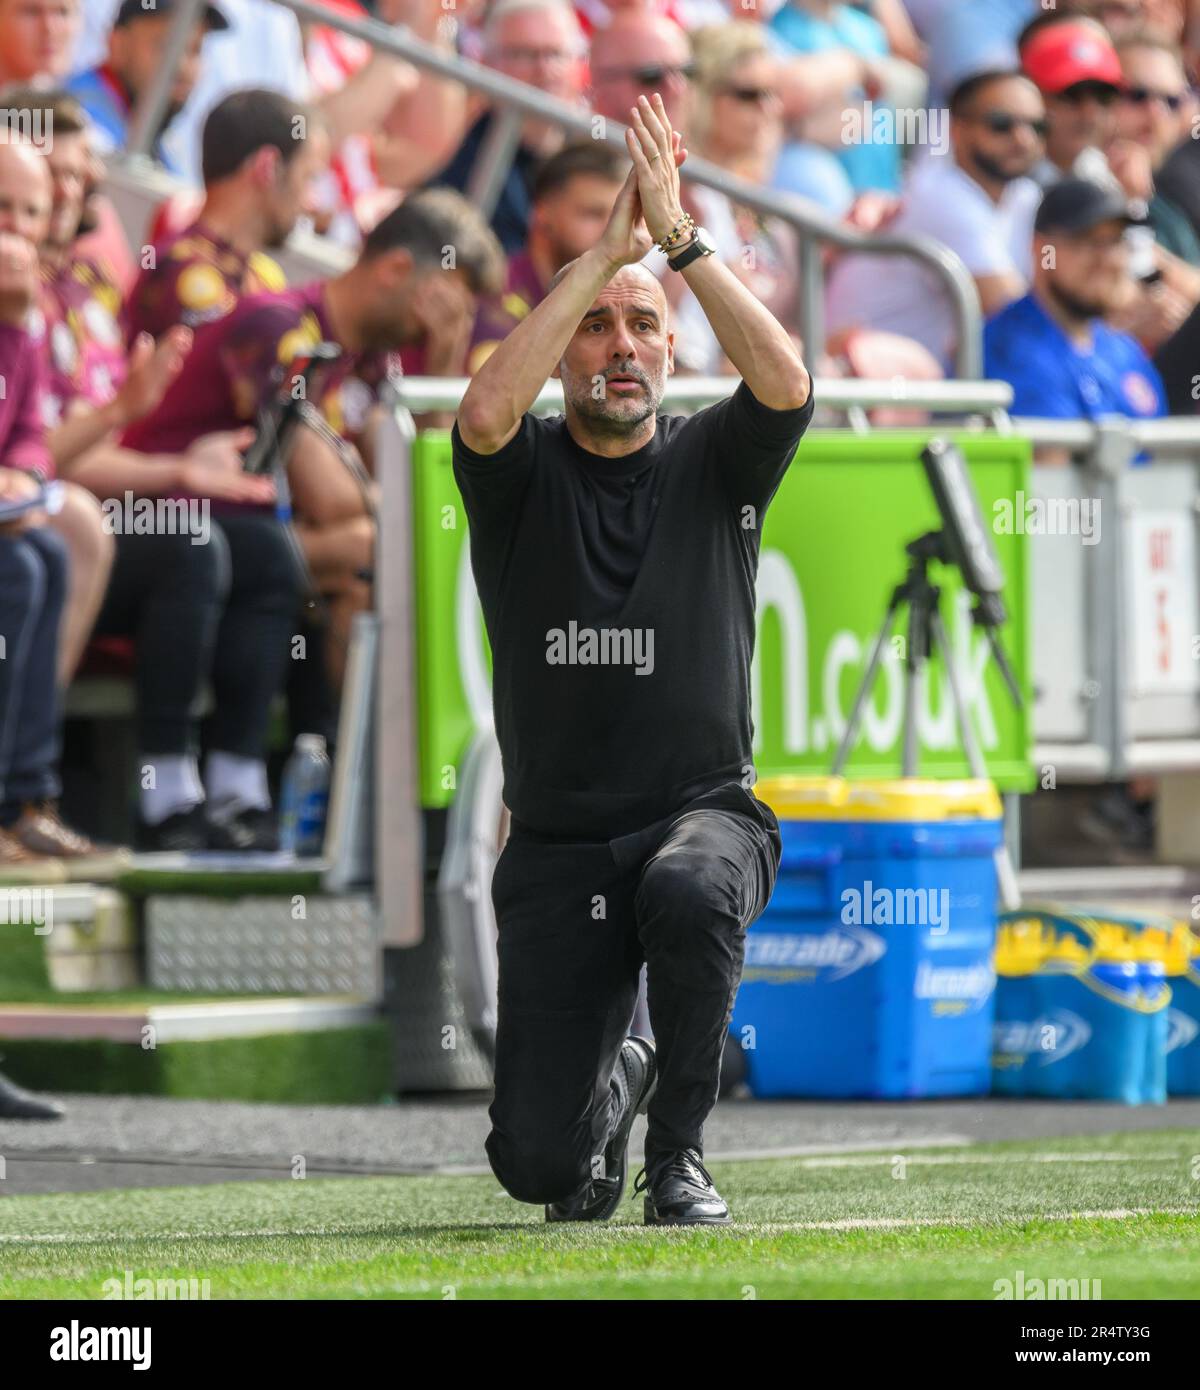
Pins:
x,y
680,1192
16,1104
598,1198
185,832
247,830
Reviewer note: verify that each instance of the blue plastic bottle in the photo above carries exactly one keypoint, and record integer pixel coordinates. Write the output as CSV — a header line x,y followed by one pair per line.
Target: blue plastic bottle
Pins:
x,y
305,797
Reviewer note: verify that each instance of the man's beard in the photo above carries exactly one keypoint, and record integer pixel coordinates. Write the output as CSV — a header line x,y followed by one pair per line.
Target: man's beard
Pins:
x,y
990,169
1083,310
604,416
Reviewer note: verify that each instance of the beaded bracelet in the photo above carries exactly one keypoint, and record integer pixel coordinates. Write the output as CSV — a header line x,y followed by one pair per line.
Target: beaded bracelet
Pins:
x,y
682,229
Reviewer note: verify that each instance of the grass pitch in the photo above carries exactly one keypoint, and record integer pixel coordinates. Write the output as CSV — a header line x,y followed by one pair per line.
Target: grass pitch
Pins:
x,y
931,1223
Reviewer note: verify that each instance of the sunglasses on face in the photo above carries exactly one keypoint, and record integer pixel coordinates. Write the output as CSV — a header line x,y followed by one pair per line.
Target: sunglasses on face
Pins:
x,y
1001,123
1142,96
757,95
1089,91
653,74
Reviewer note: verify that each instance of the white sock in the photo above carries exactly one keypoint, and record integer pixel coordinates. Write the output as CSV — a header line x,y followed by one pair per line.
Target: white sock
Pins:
x,y
176,786
235,784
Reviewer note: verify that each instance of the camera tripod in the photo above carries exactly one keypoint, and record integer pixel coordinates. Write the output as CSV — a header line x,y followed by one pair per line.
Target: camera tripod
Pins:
x,y
925,634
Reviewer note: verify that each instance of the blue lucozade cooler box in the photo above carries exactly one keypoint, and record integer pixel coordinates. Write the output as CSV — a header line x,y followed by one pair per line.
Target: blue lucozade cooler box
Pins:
x,y
871,971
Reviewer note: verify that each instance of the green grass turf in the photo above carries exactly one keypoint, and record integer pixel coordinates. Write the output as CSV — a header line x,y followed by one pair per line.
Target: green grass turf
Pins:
x,y
439,1236
334,1066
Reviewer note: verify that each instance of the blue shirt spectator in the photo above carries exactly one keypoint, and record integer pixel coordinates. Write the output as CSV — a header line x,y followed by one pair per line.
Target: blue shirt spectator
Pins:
x,y
1054,378
1053,346
137,47
108,109
868,165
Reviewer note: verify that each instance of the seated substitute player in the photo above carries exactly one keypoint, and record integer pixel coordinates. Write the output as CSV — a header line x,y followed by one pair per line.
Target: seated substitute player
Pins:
x,y
615,550
393,294
260,151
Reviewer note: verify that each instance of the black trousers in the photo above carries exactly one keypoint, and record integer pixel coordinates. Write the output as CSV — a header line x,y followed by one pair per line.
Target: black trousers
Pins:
x,y
575,922
225,610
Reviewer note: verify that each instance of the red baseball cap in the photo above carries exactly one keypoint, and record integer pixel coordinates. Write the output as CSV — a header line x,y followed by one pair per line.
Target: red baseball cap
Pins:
x,y
1063,54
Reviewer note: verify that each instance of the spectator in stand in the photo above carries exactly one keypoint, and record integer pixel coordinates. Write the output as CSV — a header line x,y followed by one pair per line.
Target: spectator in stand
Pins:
x,y
573,197
263,46
1077,69
737,125
92,298
259,158
394,294
166,589
817,88
1053,346
1179,177
36,38
180,584
821,26
1153,114
137,47
980,202
1074,62
596,15
33,561
638,53
538,42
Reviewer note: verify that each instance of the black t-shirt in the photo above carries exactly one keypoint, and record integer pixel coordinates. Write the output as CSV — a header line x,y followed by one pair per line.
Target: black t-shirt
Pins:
x,y
618,595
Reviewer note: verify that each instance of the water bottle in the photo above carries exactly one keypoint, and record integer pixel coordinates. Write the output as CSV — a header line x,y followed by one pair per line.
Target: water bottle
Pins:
x,y
305,797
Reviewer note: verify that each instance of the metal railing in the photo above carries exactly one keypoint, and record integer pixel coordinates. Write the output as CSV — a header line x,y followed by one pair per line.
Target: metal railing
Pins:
x,y
513,101
423,393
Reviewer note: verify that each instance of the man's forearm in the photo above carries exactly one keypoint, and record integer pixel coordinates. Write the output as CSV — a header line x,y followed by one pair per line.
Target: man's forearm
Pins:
x,y
508,383
364,102
109,470
83,430
750,335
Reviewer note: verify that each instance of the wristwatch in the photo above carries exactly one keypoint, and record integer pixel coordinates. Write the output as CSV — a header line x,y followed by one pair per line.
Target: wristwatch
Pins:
x,y
701,244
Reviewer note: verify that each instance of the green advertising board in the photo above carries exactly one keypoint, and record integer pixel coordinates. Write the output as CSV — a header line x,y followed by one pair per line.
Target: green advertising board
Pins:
x,y
832,552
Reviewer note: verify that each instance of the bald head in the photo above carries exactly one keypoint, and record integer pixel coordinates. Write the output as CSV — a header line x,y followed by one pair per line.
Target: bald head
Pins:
x,y
628,275
25,189
637,37
638,45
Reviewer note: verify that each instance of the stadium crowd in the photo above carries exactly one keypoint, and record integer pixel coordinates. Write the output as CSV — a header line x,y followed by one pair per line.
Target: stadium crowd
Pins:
x,y
1052,147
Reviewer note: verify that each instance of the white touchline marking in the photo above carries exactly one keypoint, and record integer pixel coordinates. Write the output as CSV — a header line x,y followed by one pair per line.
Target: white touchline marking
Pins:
x,y
864,1223
931,1160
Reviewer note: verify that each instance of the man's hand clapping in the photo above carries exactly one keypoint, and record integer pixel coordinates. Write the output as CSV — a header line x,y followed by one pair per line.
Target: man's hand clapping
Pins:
x,y
631,228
